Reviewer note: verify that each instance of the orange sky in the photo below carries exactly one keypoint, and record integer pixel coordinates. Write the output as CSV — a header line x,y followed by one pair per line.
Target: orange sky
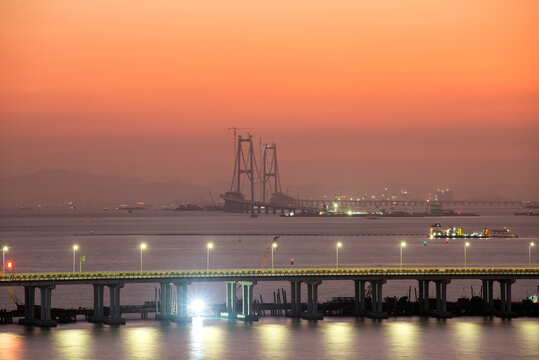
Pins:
x,y
101,71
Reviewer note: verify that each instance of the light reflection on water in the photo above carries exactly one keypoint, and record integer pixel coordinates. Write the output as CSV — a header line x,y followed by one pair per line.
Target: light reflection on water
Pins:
x,y
278,338
11,345
73,344
403,337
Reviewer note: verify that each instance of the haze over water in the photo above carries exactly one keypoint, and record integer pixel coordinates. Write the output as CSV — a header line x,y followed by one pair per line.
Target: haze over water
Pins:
x,y
42,242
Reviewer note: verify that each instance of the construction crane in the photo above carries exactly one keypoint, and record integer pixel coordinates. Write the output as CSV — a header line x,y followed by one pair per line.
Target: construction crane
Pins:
x,y
14,297
268,252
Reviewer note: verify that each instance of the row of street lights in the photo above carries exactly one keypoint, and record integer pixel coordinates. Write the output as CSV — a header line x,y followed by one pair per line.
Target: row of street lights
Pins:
x,y
209,246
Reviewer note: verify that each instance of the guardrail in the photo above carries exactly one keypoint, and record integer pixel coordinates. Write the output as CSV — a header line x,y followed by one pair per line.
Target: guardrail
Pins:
x,y
276,273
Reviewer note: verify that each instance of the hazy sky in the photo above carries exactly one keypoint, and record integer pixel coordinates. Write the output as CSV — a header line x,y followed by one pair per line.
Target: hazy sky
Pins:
x,y
441,92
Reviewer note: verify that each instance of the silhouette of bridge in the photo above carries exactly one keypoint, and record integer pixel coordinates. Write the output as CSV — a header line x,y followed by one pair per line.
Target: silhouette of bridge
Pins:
x,y
266,179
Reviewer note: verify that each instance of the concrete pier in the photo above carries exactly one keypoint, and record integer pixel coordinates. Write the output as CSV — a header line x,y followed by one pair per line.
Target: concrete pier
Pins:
x,y
312,301
45,319
441,300
98,315
247,313
230,301
295,300
488,297
181,302
165,303
359,298
505,299
29,302
376,301
114,317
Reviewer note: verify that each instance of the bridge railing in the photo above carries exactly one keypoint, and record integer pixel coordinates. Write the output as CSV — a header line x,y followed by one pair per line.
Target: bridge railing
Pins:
x,y
261,273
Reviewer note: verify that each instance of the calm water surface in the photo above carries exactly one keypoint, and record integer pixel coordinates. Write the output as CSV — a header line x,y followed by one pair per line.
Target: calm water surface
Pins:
x,y
42,243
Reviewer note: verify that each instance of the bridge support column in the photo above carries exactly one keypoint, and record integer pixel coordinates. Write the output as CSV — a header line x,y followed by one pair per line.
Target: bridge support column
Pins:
x,y
247,301
45,319
181,303
312,301
230,301
421,299
29,303
441,299
165,303
377,299
98,315
295,299
115,311
359,298
505,298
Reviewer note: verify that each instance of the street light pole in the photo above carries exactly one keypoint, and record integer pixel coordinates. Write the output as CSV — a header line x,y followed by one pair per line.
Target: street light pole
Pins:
x,y
465,247
530,254
403,244
142,247
4,249
273,246
339,244
210,245
75,248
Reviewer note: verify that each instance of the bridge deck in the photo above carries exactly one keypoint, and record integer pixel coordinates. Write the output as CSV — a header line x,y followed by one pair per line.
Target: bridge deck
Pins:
x,y
38,279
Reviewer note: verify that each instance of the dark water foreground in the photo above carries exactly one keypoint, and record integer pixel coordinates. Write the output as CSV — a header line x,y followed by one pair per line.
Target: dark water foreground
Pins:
x,y
279,338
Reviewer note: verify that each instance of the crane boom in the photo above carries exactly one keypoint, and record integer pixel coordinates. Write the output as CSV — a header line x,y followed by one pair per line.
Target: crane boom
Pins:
x,y
267,254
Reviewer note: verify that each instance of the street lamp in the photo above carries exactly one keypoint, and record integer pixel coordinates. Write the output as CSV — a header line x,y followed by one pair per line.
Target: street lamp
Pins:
x,y
403,244
75,248
273,246
4,250
532,244
339,244
467,245
143,246
210,246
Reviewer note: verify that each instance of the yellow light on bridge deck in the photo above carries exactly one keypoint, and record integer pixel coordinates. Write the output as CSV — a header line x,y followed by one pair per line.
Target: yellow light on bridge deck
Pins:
x,y
143,246
403,244
5,248
75,247
467,244
210,245
339,244
274,244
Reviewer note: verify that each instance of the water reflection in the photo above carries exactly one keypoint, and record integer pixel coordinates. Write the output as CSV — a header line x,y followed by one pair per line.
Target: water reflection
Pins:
x,y
11,344
206,340
467,336
339,338
73,344
142,342
403,337
273,339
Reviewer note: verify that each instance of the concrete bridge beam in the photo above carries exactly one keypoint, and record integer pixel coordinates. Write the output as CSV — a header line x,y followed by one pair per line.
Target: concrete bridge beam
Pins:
x,y
165,303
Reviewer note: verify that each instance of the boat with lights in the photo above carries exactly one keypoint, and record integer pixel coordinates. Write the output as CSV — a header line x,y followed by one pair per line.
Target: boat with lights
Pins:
x,y
437,232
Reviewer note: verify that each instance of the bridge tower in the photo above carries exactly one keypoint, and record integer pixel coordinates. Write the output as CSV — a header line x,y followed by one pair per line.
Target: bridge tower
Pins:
x,y
270,171
244,164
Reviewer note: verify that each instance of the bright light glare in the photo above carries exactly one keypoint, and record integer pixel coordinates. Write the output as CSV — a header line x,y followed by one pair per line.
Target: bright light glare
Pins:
x,y
403,244
339,244
197,306
143,246
75,247
5,248
210,245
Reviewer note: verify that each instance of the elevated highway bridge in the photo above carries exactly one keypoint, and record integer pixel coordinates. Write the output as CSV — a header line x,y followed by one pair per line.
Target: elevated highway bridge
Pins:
x,y
248,278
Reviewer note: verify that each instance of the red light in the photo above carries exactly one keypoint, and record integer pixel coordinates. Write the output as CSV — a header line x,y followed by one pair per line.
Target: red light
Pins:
x,y
9,264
